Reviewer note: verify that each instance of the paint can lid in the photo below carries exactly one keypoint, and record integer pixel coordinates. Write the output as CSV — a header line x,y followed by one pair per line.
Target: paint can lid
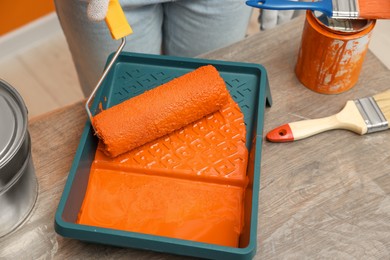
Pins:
x,y
14,141
342,25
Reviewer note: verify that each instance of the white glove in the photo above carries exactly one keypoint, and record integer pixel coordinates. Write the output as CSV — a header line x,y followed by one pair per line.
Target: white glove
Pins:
x,y
270,18
97,10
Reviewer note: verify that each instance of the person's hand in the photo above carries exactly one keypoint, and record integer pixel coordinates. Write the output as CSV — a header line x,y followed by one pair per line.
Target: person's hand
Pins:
x,y
97,10
270,18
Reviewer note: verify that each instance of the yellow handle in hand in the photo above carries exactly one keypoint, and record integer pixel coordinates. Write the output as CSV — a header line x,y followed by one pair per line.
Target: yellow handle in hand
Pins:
x,y
116,21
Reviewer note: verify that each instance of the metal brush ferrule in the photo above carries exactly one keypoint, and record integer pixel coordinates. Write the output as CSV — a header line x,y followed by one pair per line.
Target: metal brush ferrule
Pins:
x,y
372,114
345,9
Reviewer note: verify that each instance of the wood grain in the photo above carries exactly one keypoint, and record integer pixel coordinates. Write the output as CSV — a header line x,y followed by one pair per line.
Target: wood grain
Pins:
x,y
325,197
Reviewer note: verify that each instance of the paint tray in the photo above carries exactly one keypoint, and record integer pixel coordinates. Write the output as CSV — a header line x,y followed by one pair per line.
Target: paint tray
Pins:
x,y
131,75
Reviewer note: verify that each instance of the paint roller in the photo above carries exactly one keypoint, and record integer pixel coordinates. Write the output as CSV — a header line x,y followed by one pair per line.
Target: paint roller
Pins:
x,y
156,112
160,111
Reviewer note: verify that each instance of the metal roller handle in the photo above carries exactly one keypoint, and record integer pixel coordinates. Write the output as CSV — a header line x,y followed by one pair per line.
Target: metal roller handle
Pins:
x,y
119,28
104,75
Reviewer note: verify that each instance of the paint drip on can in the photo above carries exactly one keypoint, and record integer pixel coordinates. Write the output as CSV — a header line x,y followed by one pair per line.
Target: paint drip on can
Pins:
x,y
332,52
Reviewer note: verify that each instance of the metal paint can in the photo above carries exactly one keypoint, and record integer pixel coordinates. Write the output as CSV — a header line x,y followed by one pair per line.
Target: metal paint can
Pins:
x,y
332,52
18,183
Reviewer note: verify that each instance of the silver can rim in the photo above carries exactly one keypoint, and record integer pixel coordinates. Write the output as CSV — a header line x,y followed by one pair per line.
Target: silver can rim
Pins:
x,y
17,149
342,25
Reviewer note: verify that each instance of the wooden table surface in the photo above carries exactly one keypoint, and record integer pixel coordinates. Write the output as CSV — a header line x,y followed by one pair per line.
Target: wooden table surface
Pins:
x,y
324,197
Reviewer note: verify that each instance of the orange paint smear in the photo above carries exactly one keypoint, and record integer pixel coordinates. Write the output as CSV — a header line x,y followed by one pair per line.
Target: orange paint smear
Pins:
x,y
189,184
100,106
374,9
161,111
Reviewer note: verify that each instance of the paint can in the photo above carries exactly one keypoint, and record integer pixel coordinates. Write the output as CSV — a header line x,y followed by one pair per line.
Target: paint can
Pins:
x,y
332,52
18,183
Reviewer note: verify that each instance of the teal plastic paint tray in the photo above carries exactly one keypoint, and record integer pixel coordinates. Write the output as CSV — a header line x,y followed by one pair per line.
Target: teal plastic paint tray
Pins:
x,y
131,75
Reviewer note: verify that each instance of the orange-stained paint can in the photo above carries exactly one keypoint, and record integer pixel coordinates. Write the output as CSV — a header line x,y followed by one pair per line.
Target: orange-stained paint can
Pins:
x,y
332,52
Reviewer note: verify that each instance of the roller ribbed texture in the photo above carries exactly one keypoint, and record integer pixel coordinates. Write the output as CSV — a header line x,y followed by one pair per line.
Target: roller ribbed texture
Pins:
x,y
161,111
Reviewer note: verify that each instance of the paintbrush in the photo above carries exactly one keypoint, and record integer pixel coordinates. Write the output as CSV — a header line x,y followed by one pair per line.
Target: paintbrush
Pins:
x,y
339,9
362,116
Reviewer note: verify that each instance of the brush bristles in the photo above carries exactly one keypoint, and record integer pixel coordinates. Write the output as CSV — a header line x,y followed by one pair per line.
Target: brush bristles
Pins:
x,y
383,101
374,9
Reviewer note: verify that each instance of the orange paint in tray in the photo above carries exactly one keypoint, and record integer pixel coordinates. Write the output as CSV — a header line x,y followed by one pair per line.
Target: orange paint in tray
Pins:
x,y
188,184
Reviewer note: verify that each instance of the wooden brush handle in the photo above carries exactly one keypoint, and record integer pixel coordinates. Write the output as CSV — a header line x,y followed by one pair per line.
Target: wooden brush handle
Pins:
x,y
349,119
324,6
302,129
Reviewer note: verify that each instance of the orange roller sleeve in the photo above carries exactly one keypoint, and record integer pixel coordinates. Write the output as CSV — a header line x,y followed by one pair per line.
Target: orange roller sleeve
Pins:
x,y
161,110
